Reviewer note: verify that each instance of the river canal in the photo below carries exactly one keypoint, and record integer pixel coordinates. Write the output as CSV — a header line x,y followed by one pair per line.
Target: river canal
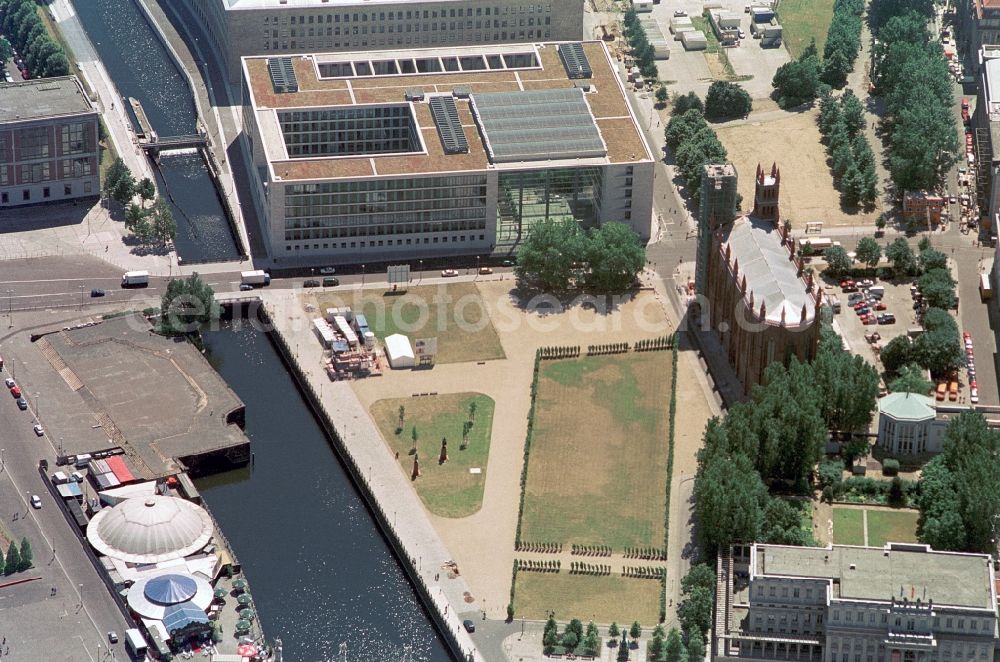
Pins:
x,y
141,68
319,570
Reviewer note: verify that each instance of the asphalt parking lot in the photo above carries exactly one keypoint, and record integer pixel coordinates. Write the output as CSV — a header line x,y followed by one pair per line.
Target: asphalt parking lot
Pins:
x,y
897,300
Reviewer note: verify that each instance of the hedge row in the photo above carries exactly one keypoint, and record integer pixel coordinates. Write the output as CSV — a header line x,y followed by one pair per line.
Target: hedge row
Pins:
x,y
591,550
670,442
643,572
544,547
613,348
579,568
538,566
527,443
647,553
571,352
654,344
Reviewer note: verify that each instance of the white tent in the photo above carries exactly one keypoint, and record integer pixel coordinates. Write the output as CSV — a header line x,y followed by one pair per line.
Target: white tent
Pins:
x,y
399,351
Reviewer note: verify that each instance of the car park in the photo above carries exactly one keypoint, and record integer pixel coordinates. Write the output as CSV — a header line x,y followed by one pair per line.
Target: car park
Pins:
x,y
15,391
310,283
22,404
97,292
39,430
448,273
36,502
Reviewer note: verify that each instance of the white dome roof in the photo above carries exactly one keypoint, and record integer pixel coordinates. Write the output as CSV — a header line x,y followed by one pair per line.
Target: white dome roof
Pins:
x,y
150,529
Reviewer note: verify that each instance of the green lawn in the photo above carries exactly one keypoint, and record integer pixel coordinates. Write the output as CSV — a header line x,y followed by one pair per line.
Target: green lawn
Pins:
x,y
453,313
601,599
891,526
597,470
802,20
848,527
448,489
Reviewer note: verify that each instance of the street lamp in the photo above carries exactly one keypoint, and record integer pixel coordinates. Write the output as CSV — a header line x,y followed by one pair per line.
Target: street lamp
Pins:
x,y
37,411
10,307
421,272
362,275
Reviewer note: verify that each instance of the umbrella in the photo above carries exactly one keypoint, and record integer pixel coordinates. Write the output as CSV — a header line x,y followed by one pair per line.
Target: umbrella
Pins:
x,y
220,593
244,599
240,584
242,626
246,614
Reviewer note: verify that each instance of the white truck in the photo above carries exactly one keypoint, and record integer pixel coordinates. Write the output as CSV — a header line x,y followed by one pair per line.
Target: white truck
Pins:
x,y
135,279
256,278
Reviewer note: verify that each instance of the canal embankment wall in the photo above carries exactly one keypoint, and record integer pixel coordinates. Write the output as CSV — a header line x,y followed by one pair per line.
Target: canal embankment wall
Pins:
x,y
411,543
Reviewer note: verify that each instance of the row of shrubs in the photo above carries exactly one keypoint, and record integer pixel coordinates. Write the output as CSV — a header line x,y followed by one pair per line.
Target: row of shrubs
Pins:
x,y
527,448
569,352
544,547
644,572
597,569
654,344
647,553
538,566
670,451
590,550
613,348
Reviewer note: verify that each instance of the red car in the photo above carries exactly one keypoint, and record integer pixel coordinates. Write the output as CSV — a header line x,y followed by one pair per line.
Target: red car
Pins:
x,y
15,391
880,306
868,320
847,282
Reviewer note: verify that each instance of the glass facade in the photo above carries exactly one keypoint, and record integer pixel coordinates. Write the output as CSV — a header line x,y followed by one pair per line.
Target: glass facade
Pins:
x,y
349,131
525,198
385,207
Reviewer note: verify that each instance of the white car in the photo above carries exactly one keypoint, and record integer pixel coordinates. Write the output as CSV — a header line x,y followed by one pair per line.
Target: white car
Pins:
x,y
9,383
36,502
448,273
39,430
328,271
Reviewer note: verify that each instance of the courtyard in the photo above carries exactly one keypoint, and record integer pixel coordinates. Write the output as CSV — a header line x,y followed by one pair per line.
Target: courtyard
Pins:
x,y
873,526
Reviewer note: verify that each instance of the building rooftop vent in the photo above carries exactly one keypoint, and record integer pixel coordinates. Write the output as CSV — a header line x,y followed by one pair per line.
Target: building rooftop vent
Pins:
x,y
282,74
414,94
575,60
449,127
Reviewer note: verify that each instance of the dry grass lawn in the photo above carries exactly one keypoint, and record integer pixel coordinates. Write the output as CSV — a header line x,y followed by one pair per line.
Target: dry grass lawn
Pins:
x,y
448,489
793,142
601,599
455,314
891,526
597,470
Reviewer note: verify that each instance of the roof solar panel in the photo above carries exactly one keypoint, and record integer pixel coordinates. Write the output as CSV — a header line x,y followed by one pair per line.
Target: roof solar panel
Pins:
x,y
449,127
575,60
282,74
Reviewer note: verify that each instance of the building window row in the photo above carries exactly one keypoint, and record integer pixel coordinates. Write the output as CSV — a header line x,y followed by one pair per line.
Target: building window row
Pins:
x,y
408,15
353,245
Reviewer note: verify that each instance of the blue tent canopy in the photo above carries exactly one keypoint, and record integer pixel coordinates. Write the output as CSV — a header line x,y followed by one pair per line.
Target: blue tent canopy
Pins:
x,y
170,589
179,616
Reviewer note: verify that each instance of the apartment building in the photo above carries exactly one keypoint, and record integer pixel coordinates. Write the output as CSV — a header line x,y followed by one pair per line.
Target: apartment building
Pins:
x,y
898,603
48,142
439,152
243,28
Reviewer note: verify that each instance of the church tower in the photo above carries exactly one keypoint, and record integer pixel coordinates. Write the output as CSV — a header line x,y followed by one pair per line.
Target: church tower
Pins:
x,y
765,197
717,208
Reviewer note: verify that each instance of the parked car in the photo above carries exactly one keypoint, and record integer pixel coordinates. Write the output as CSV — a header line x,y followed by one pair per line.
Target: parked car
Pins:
x,y
328,271
886,318
953,390
974,395
310,283
743,35
863,310
9,382
485,271
331,282
469,625
36,502
448,273
15,391
941,391
39,430
680,12
880,306
113,637
97,292
868,320
22,404
245,287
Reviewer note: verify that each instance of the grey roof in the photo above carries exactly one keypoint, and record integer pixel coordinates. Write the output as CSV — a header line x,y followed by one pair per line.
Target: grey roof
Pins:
x,y
42,97
771,275
907,406
880,574
537,125
150,529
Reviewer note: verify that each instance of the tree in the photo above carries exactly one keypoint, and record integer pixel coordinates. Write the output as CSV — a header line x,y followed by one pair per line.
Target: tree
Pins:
x,y
901,256
402,418
797,82
911,379
26,556
135,216
13,559
725,99
728,500
635,631
698,590
413,437
897,353
838,262
674,647
896,496
592,640
939,347
661,95
686,102
656,646
783,524
119,184
613,630
576,627
937,287
163,225
6,51
615,256
146,190
472,412
869,252
187,304
931,258
569,641
696,647
880,222
548,257
848,386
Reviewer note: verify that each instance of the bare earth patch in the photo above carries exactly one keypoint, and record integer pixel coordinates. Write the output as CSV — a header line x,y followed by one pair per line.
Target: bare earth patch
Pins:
x,y
793,142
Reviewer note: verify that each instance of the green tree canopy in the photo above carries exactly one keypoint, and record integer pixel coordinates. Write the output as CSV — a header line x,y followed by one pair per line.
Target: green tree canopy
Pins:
x,y
13,559
869,252
548,257
912,379
901,256
696,647
673,648
685,102
662,95
695,608
937,287
146,189
838,262
725,99
615,257
939,347
163,225
897,353
26,555
187,304
119,184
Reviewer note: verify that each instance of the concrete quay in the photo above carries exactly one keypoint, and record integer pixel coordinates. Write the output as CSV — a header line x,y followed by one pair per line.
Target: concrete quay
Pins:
x,y
427,561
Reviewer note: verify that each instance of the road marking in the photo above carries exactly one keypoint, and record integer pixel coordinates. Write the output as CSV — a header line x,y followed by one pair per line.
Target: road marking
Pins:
x,y
62,280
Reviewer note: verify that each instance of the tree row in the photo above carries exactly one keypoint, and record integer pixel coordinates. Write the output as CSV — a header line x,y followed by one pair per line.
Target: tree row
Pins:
x,y
24,29
694,144
842,122
642,50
